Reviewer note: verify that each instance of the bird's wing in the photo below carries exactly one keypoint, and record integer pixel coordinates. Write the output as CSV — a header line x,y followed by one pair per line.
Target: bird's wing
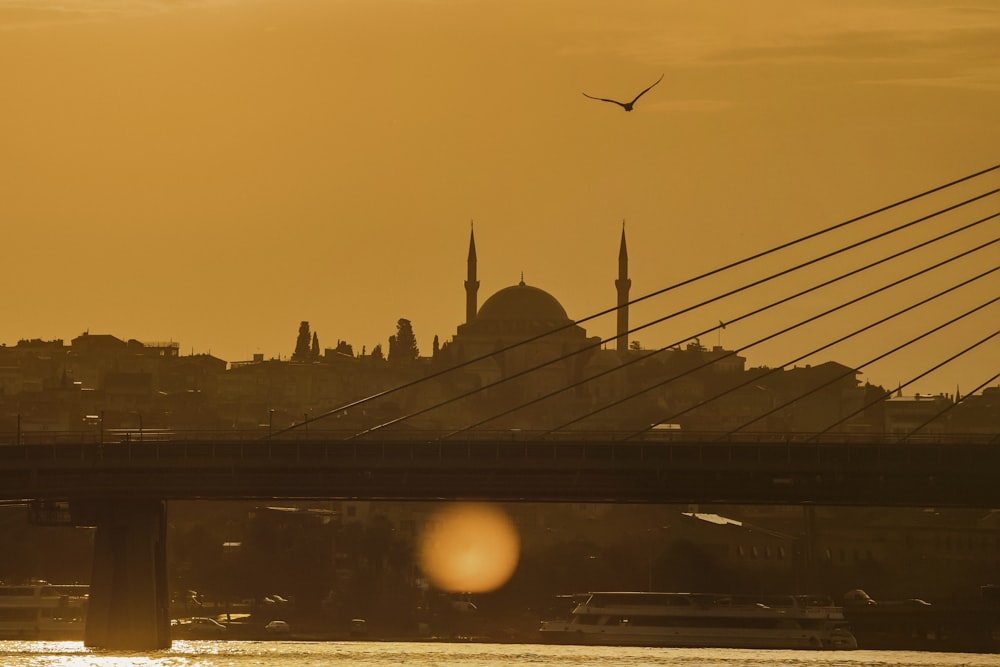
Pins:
x,y
604,99
647,90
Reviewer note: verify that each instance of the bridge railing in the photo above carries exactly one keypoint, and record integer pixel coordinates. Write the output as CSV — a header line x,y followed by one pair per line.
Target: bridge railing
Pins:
x,y
748,454
124,436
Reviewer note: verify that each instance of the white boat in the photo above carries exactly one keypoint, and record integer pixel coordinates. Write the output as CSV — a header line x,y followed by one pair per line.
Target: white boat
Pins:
x,y
702,620
41,610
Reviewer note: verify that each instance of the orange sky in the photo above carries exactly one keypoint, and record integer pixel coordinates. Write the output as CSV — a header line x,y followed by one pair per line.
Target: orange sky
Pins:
x,y
214,172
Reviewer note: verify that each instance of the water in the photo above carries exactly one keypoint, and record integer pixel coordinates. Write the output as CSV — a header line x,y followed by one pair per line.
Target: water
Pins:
x,y
438,654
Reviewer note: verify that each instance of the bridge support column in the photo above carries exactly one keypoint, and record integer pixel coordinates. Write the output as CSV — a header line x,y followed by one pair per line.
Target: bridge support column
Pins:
x,y
129,600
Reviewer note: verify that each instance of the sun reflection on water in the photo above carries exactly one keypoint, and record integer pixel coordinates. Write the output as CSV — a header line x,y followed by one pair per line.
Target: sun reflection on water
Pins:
x,y
208,653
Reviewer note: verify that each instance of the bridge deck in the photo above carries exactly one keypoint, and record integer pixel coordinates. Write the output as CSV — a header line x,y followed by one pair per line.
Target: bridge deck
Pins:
x,y
958,473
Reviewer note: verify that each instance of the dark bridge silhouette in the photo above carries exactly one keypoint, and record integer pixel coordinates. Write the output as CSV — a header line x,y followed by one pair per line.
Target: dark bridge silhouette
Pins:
x,y
940,471
122,487
120,482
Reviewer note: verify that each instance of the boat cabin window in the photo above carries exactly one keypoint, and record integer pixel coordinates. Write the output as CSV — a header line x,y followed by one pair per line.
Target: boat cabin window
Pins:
x,y
640,599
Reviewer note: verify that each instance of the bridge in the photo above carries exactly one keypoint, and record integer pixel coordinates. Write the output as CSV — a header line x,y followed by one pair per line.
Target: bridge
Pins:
x,y
121,483
121,487
756,468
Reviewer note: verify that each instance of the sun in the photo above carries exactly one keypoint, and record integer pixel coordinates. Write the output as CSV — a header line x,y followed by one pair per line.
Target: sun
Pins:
x,y
469,547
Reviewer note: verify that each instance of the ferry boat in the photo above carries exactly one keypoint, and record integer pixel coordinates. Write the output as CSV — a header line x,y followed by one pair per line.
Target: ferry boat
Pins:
x,y
40,610
702,620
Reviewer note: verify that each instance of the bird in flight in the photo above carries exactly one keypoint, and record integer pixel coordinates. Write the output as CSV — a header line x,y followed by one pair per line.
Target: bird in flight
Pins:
x,y
625,105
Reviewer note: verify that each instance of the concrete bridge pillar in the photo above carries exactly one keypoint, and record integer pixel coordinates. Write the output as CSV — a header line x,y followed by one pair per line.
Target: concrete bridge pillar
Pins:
x,y
129,602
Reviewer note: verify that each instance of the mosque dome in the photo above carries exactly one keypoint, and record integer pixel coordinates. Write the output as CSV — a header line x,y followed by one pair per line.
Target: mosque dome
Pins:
x,y
523,303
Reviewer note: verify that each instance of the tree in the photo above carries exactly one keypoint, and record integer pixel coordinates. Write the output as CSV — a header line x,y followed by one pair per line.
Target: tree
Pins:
x,y
302,343
315,346
436,348
377,352
403,346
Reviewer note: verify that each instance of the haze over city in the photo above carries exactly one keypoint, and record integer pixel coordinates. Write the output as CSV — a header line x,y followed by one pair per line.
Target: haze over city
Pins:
x,y
213,173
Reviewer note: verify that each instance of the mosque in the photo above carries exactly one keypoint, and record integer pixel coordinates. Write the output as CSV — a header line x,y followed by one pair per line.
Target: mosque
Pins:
x,y
519,312
522,338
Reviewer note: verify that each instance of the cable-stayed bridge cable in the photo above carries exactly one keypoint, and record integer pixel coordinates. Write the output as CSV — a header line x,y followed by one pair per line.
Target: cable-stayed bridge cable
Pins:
x,y
951,406
780,367
757,378
738,290
744,316
718,270
914,378
852,371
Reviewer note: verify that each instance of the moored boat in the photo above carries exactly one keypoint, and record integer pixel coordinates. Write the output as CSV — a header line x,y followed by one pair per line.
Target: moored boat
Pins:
x,y
40,610
706,620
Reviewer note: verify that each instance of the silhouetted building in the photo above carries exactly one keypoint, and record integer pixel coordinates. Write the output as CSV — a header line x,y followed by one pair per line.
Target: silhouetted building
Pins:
x,y
518,361
906,414
979,413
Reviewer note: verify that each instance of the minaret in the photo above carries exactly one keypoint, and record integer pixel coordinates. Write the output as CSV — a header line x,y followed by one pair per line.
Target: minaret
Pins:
x,y
471,284
623,284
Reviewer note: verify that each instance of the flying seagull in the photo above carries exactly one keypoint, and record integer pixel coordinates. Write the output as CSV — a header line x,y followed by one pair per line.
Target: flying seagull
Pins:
x,y
625,105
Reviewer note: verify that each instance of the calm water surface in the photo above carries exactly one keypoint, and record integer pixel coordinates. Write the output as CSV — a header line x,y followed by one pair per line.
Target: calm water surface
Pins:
x,y
415,654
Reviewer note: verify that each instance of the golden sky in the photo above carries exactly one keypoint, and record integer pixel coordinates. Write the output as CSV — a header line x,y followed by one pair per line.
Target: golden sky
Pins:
x,y
214,172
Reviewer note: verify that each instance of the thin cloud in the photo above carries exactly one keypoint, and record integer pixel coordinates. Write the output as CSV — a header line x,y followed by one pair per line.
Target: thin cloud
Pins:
x,y
873,46
957,58
985,80
16,14
780,32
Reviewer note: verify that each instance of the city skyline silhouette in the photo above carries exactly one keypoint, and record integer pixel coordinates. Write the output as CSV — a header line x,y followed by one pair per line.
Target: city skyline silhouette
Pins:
x,y
220,193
